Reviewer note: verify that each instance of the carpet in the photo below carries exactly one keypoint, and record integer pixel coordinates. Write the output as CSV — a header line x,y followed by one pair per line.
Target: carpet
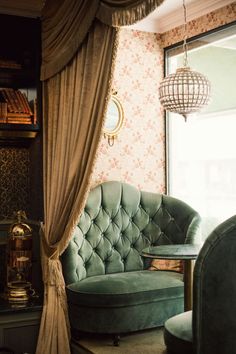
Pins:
x,y
145,342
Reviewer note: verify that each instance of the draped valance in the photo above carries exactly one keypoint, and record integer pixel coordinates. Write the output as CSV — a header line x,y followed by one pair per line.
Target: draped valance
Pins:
x,y
125,12
65,24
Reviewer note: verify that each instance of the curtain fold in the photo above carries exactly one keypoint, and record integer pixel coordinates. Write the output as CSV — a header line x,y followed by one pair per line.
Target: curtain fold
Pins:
x,y
65,24
77,63
125,12
73,110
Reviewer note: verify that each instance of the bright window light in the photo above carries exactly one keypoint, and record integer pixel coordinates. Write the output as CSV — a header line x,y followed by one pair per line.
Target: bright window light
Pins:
x,y
202,152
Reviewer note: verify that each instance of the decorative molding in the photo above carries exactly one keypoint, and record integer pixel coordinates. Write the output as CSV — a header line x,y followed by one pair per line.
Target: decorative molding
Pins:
x,y
14,180
160,23
219,17
194,10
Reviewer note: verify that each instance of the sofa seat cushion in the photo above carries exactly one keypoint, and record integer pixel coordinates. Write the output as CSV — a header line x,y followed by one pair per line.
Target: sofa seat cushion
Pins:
x,y
124,289
178,334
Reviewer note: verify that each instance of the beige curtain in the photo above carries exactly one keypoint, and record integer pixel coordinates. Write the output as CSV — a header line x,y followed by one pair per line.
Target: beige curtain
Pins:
x,y
77,56
65,23
70,145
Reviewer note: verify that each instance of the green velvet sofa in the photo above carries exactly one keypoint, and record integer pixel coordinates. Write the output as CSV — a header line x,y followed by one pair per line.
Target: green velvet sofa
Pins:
x,y
210,327
109,287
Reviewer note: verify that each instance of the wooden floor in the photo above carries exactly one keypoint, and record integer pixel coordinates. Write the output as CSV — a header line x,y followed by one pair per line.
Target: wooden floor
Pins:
x,y
145,342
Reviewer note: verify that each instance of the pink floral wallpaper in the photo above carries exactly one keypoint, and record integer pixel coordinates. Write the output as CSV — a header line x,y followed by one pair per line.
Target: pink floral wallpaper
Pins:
x,y
138,154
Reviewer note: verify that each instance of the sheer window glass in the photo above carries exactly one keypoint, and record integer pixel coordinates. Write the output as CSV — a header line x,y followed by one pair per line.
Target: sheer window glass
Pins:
x,y
202,152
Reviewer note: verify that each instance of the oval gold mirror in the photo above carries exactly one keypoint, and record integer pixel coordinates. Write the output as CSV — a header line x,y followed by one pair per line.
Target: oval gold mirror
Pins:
x,y
113,120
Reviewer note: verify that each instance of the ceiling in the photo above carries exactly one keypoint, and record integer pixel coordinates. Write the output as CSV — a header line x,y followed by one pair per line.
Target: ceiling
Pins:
x,y
168,15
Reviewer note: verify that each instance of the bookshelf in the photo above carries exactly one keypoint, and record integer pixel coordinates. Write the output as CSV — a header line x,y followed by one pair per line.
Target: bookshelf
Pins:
x,y
21,175
21,186
20,89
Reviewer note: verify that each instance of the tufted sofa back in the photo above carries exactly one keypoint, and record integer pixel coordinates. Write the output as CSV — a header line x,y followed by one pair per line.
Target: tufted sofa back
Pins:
x,y
117,223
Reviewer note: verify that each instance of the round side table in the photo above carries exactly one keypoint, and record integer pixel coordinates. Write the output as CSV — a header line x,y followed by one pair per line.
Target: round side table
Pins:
x,y
186,252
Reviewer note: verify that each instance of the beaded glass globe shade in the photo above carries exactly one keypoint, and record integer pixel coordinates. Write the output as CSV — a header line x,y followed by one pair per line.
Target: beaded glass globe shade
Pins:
x,y
186,91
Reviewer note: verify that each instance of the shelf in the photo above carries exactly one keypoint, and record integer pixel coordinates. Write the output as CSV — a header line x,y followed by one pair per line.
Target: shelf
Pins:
x,y
16,131
34,304
17,78
19,81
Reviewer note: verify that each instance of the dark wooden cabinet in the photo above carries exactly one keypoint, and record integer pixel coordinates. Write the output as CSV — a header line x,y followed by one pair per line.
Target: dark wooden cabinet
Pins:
x,y
21,174
20,143
19,328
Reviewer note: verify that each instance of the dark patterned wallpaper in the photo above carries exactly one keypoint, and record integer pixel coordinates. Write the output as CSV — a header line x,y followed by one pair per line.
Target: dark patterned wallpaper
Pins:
x,y
14,180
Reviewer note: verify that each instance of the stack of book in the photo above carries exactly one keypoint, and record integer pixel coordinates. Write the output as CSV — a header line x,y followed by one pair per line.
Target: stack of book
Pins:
x,y
9,64
14,107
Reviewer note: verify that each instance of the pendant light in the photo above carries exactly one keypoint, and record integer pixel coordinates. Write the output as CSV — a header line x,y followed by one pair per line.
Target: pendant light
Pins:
x,y
186,91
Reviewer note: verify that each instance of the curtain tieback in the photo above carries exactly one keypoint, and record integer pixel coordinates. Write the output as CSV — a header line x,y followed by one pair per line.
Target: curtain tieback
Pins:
x,y
54,276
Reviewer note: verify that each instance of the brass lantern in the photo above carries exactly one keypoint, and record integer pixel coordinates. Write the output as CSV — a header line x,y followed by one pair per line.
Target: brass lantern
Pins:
x,y
19,260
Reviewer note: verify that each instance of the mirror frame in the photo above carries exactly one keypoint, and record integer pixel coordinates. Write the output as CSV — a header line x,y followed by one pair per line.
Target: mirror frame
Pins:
x,y
112,134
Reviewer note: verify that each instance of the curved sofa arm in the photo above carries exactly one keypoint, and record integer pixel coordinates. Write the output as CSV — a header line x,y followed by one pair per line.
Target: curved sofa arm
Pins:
x,y
194,232
214,292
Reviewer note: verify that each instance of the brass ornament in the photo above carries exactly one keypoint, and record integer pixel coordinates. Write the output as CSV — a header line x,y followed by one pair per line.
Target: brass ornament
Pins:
x,y
19,260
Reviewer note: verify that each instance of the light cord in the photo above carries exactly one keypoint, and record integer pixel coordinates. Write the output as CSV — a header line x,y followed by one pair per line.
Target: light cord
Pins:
x,y
185,46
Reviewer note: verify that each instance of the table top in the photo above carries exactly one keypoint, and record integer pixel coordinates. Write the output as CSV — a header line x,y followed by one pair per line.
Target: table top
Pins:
x,y
180,251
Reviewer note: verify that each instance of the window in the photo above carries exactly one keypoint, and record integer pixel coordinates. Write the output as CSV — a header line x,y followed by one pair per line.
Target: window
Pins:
x,y
201,154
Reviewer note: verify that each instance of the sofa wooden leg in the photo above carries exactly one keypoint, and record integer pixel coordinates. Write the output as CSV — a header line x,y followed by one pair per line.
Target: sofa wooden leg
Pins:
x,y
116,340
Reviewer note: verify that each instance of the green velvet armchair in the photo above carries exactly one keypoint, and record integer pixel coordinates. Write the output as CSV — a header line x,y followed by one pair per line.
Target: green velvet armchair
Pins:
x,y
109,287
210,328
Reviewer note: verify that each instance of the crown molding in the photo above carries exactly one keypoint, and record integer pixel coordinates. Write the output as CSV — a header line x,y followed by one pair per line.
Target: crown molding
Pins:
x,y
160,23
194,10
